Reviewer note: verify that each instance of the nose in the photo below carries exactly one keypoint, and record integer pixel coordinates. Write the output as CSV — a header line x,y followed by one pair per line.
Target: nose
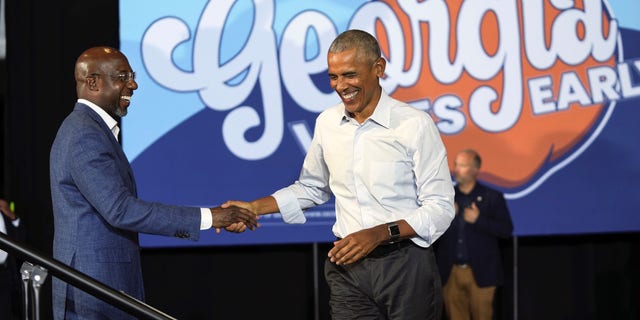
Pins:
x,y
132,84
339,84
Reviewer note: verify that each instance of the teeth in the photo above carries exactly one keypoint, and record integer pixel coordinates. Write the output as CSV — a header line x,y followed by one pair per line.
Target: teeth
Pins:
x,y
350,95
128,98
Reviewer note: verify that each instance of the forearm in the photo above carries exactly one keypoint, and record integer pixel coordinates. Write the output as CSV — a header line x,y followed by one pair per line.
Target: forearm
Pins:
x,y
264,205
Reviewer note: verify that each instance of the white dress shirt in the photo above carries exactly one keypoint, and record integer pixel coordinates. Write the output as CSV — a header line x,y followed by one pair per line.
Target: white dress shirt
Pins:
x,y
206,220
391,167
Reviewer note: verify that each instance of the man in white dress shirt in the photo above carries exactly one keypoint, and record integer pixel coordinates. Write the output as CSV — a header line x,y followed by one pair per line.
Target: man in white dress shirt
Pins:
x,y
386,165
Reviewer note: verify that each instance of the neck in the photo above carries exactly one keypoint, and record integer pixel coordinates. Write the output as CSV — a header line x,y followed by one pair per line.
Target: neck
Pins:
x,y
466,187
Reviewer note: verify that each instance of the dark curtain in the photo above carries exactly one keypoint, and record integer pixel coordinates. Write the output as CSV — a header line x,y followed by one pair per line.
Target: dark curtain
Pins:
x,y
43,40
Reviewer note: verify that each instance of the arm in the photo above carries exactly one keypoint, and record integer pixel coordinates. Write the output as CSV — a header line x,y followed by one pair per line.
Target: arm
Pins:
x,y
435,193
102,180
259,206
359,244
311,189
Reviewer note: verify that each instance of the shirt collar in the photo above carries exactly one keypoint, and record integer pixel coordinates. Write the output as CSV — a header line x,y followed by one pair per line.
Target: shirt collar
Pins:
x,y
381,114
108,120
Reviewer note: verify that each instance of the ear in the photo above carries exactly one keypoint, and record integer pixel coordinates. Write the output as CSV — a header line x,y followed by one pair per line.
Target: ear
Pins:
x,y
379,66
92,82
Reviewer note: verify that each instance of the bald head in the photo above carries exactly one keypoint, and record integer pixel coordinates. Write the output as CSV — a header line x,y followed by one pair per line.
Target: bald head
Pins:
x,y
94,61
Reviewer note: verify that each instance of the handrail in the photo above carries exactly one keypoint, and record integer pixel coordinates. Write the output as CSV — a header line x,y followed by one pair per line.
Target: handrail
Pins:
x,y
83,282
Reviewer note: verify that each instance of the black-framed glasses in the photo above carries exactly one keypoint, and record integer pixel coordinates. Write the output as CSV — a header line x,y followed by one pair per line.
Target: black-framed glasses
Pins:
x,y
122,76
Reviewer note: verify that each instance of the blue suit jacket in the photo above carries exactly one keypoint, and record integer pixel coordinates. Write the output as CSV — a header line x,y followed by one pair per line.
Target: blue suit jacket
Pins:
x,y
97,215
482,237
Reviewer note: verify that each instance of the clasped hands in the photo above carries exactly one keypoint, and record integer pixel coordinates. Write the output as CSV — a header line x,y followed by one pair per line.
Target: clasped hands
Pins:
x,y
234,216
233,219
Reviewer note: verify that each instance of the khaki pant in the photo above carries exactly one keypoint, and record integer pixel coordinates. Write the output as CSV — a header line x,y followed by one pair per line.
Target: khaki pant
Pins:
x,y
463,299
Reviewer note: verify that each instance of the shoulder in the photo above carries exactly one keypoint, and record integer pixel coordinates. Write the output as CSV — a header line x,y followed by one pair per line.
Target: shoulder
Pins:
x,y
333,113
82,118
414,124
403,113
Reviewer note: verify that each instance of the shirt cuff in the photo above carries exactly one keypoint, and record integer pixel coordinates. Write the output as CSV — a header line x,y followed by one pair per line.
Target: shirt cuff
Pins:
x,y
288,206
206,220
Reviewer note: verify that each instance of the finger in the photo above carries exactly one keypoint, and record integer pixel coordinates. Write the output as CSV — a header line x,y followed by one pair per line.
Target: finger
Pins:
x,y
250,220
352,255
234,227
337,245
239,227
342,252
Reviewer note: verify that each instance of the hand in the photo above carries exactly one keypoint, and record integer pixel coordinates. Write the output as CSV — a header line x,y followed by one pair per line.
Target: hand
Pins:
x,y
354,246
225,217
6,210
471,213
241,204
236,227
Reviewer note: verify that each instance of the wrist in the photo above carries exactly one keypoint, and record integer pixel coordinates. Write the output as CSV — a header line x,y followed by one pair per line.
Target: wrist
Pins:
x,y
393,231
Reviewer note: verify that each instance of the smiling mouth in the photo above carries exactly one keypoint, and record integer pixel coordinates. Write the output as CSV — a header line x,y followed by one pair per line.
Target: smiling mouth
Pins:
x,y
349,96
126,98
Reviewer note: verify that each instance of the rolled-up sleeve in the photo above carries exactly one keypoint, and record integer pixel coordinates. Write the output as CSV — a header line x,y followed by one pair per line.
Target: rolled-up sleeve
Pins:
x,y
434,187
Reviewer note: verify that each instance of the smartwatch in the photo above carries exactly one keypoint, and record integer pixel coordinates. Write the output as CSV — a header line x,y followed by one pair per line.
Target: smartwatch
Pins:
x,y
394,231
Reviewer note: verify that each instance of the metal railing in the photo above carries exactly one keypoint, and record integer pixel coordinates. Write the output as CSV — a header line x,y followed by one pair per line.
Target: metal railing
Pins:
x,y
39,265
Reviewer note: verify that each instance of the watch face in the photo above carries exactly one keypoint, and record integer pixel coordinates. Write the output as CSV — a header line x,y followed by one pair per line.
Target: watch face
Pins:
x,y
394,230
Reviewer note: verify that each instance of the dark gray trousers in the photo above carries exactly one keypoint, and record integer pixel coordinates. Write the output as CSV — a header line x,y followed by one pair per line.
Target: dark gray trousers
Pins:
x,y
401,284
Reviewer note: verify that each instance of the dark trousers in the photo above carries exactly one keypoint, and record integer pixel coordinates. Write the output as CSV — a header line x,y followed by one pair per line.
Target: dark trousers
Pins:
x,y
396,284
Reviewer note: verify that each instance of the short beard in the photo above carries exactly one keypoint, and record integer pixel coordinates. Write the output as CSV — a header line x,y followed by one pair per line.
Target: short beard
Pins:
x,y
120,112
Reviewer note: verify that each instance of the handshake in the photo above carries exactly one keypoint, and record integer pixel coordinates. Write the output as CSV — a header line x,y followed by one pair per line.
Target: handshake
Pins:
x,y
234,216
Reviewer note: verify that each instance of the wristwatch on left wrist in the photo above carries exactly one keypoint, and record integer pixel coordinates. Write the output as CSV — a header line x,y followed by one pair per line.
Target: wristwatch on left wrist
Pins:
x,y
394,231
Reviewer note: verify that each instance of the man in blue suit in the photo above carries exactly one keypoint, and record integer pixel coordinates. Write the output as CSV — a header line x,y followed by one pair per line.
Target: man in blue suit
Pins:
x,y
97,215
468,253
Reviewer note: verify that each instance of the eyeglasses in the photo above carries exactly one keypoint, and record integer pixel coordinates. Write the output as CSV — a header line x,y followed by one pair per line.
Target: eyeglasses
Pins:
x,y
122,76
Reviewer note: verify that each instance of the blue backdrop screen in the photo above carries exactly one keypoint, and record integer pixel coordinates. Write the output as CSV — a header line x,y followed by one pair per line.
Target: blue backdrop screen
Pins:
x,y
546,91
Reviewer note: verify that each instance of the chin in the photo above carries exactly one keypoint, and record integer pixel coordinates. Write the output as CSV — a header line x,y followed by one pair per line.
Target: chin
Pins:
x,y
121,112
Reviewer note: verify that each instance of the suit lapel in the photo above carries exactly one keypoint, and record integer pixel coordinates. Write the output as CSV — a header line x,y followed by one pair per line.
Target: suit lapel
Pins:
x,y
123,161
